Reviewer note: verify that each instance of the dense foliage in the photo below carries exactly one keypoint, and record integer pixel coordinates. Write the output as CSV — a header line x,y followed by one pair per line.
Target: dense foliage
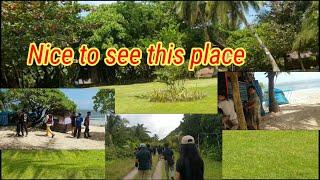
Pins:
x,y
282,27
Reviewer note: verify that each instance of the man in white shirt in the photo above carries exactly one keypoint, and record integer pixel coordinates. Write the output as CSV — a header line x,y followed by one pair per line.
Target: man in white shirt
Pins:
x,y
229,119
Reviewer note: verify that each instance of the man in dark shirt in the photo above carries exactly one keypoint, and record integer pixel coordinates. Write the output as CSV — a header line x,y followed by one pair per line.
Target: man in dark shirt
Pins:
x,y
169,161
86,124
143,159
24,121
73,123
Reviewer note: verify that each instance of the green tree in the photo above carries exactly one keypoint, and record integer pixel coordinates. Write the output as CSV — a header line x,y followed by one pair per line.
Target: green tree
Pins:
x,y
52,101
230,13
24,22
104,101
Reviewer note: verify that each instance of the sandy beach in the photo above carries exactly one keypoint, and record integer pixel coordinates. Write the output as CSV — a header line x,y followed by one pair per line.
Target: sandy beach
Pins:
x,y
36,139
302,112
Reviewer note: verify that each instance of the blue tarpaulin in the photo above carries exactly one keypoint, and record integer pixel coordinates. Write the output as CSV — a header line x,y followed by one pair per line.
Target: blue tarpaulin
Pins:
x,y
279,96
4,118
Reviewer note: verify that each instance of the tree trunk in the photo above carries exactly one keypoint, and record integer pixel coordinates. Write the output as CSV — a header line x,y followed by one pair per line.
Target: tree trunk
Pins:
x,y
273,105
301,63
237,100
275,67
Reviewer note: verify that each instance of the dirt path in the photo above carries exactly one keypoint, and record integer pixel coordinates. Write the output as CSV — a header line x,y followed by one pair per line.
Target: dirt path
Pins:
x,y
37,139
156,175
131,174
158,171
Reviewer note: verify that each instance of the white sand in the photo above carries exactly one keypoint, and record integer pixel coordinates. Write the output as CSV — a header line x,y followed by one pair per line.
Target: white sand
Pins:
x,y
302,112
304,96
37,140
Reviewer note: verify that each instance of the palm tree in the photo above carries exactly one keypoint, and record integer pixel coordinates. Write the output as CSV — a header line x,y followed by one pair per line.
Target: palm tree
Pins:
x,y
307,37
141,132
228,12
237,100
273,104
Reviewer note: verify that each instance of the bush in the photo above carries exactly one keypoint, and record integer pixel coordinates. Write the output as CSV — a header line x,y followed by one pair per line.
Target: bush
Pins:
x,y
118,153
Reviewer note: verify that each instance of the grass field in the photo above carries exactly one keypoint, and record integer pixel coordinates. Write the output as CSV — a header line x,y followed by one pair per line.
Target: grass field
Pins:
x,y
212,169
117,169
53,164
270,154
128,103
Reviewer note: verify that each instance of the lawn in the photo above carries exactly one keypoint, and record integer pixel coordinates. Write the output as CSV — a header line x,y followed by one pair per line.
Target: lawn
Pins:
x,y
53,164
127,101
117,169
212,169
270,154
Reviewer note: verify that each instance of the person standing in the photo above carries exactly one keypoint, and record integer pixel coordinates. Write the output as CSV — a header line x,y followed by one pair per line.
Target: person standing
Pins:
x,y
190,165
73,123
143,158
86,124
24,121
253,109
49,123
229,119
79,121
18,124
169,161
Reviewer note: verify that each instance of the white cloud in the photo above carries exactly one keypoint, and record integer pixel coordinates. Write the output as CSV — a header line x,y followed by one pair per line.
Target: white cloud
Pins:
x,y
160,124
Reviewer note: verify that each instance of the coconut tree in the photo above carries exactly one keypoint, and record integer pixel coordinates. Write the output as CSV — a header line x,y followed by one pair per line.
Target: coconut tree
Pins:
x,y
237,100
273,104
227,12
307,37
193,14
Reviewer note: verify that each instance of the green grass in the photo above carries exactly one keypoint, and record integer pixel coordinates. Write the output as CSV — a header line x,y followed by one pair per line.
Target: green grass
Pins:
x,y
127,102
212,169
53,164
117,169
270,154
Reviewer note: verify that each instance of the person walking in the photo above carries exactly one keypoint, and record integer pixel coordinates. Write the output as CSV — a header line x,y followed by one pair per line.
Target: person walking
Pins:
x,y
49,123
79,121
143,159
190,165
86,124
169,161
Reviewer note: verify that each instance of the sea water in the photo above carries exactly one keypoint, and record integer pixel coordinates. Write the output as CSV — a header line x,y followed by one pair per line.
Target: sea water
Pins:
x,y
299,85
96,118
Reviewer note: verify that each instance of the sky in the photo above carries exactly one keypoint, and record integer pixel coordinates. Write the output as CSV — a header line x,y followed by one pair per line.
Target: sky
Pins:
x,y
160,124
81,96
288,77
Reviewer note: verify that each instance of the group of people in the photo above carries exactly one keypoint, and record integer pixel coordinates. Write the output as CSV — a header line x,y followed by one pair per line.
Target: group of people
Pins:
x,y
189,165
252,111
76,123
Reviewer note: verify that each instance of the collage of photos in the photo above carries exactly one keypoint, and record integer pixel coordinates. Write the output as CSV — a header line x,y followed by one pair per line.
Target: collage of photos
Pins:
x,y
260,120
